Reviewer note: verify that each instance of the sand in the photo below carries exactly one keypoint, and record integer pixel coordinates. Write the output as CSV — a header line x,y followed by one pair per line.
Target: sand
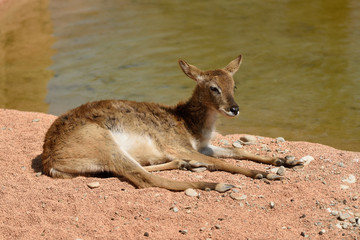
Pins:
x,y
306,204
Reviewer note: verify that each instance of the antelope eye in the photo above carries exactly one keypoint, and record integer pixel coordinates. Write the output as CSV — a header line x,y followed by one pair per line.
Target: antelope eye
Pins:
x,y
215,89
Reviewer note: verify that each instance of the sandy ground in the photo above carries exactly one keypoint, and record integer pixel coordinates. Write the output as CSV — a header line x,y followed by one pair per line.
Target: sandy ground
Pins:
x,y
319,201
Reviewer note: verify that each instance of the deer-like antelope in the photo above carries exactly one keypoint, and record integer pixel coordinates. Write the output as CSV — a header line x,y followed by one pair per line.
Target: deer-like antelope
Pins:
x,y
133,139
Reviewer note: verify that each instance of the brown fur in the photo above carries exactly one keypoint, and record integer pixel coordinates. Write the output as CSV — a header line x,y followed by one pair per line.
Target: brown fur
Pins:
x,y
131,139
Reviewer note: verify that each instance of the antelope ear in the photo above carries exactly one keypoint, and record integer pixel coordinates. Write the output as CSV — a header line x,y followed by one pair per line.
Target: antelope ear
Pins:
x,y
191,71
234,65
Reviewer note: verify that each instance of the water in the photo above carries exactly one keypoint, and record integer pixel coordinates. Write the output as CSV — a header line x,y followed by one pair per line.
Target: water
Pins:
x,y
299,78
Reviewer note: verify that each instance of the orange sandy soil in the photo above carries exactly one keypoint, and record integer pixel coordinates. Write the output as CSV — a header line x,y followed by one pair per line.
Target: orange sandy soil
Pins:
x,y
308,200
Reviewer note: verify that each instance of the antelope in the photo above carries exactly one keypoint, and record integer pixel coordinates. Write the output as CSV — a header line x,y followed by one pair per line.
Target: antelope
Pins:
x,y
133,139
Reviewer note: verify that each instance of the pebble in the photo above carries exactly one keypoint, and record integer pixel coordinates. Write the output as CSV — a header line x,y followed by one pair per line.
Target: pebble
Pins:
x,y
217,226
36,120
307,159
323,231
344,187
38,174
340,164
183,231
350,179
248,139
303,234
272,205
198,169
343,216
146,234
280,139
281,171
191,192
93,185
175,209
237,196
237,144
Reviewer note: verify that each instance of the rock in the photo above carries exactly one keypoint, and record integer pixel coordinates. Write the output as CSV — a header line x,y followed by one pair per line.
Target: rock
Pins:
x,y
344,187
281,171
237,144
93,185
217,226
304,234
343,216
191,192
280,139
36,120
322,232
272,205
334,213
274,170
307,160
146,234
198,169
350,179
183,231
38,174
248,139
175,209
237,196
340,164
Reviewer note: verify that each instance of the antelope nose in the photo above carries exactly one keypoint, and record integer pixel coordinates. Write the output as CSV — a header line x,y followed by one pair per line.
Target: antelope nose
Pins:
x,y
234,110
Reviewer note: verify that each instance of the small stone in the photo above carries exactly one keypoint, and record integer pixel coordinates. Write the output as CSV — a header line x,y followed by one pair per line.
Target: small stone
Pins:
x,y
36,120
191,192
344,187
237,144
198,169
307,160
303,234
274,170
23,168
202,229
146,234
352,220
281,171
322,231
38,174
280,139
343,216
248,139
93,185
334,213
344,225
217,226
350,179
183,231
272,205
340,164
175,209
237,196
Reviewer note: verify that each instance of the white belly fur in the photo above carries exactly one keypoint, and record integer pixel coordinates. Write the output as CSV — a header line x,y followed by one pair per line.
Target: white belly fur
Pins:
x,y
140,148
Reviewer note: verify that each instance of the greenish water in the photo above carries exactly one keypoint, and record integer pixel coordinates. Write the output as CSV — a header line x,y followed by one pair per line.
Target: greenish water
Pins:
x,y
299,78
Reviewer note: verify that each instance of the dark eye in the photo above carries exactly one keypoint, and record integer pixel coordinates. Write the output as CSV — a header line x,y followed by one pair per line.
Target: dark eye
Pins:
x,y
235,87
215,89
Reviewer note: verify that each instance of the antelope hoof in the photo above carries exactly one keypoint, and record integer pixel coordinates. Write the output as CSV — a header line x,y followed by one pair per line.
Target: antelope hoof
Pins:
x,y
271,176
259,176
196,164
288,161
223,187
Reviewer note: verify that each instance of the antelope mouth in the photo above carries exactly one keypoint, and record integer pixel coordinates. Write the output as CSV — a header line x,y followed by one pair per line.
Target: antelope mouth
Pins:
x,y
231,113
